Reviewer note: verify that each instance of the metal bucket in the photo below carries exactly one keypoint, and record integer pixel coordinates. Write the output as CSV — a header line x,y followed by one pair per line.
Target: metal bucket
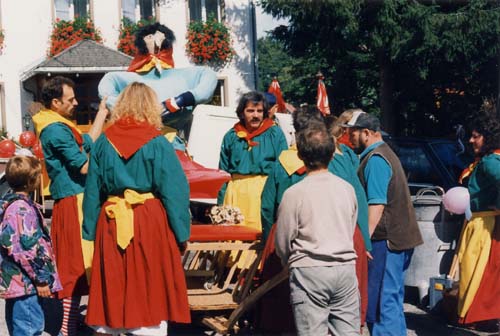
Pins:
x,y
440,231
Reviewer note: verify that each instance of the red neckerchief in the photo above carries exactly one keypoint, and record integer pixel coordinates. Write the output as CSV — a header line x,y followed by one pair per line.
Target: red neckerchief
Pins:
x,y
301,171
242,132
77,135
468,171
141,60
344,139
128,135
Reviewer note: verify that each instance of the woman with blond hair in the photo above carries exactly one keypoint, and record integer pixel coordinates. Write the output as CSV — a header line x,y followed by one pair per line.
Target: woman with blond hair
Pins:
x,y
136,209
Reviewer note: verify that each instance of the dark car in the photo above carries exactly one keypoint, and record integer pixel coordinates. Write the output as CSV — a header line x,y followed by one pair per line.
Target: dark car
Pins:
x,y
432,166
430,162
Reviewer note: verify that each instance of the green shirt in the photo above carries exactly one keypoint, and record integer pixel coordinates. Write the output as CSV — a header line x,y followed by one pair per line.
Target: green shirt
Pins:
x,y
237,158
64,159
153,168
345,166
277,182
484,184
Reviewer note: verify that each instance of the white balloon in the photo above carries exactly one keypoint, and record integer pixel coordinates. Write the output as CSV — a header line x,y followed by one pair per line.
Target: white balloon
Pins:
x,y
24,151
457,200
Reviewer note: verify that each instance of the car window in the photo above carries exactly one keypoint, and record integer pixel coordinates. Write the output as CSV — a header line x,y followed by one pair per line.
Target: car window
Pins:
x,y
417,164
452,157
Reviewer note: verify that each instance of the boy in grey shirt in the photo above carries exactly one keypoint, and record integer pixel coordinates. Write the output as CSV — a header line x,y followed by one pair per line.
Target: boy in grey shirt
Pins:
x,y
314,236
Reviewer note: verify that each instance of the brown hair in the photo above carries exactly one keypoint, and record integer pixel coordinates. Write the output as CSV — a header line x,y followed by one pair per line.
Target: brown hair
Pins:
x,y
138,101
23,173
53,89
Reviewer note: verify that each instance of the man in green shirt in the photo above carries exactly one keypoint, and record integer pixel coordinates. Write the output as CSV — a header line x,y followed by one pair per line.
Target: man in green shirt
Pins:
x,y
248,153
66,150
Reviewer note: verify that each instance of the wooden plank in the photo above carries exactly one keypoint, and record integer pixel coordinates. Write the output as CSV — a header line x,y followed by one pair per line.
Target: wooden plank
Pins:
x,y
224,246
251,299
219,301
199,273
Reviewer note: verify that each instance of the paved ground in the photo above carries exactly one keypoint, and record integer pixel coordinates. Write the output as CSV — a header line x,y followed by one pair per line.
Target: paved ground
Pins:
x,y
420,323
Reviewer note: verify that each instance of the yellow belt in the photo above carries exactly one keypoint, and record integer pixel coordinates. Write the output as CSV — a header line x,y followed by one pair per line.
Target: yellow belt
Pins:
x,y
123,213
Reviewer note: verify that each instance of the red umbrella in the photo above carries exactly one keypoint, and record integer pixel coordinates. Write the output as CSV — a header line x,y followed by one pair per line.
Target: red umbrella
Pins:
x,y
322,97
275,89
203,182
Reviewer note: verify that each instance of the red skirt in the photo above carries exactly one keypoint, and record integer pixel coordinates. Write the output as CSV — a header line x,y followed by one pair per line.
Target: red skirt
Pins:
x,y
361,272
143,284
486,305
67,243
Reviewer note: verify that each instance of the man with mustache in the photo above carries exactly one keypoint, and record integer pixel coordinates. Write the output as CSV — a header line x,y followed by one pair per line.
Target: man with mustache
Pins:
x,y
248,153
66,150
392,224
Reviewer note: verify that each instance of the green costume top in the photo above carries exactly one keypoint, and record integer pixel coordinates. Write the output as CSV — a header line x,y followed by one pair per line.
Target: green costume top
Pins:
x,y
153,168
484,184
345,166
277,182
64,159
238,157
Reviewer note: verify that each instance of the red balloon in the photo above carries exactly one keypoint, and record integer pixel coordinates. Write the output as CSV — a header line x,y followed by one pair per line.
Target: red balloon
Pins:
x,y
37,150
27,139
7,148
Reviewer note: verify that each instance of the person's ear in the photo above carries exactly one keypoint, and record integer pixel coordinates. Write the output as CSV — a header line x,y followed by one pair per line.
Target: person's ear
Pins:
x,y
55,102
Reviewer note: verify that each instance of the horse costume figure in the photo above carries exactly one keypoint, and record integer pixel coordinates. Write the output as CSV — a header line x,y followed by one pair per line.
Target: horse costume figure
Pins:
x,y
154,66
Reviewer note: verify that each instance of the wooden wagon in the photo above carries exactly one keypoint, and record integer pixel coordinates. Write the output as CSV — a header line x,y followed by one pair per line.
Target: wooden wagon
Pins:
x,y
221,264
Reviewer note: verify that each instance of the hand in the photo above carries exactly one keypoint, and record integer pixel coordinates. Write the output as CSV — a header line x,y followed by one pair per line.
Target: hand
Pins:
x,y
102,106
182,247
273,110
43,291
369,255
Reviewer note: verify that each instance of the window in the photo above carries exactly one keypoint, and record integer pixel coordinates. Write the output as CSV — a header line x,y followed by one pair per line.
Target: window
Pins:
x,y
220,94
69,9
200,10
136,10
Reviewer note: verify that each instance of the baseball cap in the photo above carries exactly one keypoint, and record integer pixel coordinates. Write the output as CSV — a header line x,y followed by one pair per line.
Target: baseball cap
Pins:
x,y
362,119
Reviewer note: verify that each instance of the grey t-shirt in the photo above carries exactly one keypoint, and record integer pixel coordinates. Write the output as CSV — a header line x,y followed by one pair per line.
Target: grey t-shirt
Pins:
x,y
316,222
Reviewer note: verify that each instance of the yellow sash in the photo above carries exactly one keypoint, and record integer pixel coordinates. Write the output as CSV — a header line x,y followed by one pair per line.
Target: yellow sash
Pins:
x,y
290,161
123,212
473,255
87,245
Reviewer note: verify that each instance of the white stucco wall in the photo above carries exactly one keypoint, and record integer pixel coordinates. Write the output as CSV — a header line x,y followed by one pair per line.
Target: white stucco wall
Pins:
x,y
27,27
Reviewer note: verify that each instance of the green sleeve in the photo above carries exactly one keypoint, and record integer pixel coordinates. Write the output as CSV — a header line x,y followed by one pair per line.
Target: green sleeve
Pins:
x,y
492,173
93,198
224,165
269,203
171,185
87,143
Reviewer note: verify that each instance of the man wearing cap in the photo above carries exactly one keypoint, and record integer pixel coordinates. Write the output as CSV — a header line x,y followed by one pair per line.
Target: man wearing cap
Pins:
x,y
248,153
392,224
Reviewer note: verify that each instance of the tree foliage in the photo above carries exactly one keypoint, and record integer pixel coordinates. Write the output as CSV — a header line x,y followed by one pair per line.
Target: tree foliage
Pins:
x,y
422,65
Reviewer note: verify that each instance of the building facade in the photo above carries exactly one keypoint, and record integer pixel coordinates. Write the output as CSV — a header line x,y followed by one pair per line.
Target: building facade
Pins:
x,y
26,26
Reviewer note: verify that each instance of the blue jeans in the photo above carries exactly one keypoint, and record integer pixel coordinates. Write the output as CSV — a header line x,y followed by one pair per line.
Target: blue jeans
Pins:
x,y
24,316
392,319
